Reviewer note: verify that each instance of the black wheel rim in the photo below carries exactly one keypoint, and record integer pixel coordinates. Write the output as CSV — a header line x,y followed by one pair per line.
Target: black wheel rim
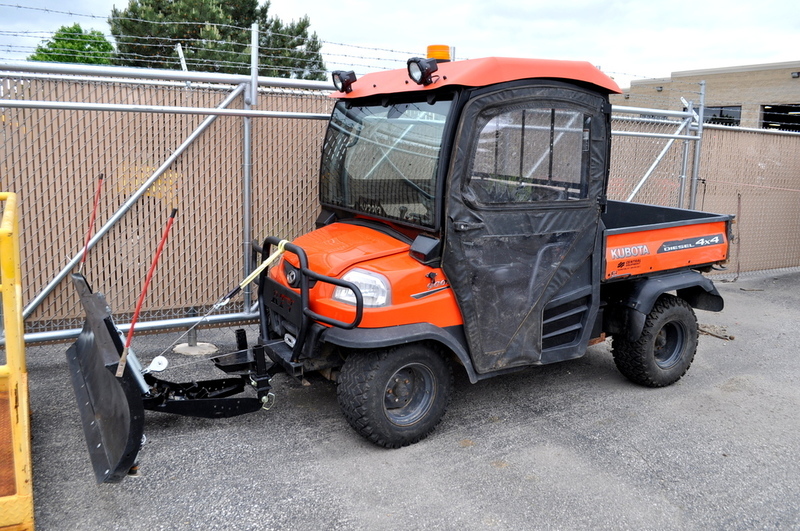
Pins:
x,y
409,394
669,345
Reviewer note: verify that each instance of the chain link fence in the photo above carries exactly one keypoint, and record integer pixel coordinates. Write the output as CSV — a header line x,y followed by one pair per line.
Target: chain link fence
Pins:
x,y
755,175
53,159
649,169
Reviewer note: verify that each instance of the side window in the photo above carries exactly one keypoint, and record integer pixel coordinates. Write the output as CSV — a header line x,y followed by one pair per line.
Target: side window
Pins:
x,y
530,154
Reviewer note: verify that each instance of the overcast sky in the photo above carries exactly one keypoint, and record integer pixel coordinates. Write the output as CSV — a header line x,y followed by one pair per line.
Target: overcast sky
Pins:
x,y
627,39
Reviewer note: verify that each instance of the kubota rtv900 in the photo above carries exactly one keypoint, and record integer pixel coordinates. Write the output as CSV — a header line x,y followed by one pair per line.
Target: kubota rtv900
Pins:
x,y
464,224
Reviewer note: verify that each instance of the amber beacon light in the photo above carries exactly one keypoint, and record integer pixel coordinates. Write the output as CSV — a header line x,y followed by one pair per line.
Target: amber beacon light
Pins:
x,y
440,52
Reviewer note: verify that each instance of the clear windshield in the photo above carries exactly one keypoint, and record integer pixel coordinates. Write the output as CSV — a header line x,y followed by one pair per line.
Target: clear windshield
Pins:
x,y
383,161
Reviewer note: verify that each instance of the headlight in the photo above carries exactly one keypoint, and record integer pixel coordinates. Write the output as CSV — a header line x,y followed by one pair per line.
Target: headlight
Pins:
x,y
374,288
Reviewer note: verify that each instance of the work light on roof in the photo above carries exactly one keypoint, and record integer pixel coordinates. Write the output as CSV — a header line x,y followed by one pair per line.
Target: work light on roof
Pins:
x,y
420,70
343,81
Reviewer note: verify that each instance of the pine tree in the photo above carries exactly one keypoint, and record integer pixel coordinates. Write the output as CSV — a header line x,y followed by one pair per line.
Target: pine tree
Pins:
x,y
214,36
288,48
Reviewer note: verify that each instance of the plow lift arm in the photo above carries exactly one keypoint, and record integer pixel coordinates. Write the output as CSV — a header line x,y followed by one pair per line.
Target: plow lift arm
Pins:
x,y
112,408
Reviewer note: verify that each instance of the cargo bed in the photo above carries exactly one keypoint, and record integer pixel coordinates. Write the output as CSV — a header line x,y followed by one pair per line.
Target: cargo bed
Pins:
x,y
642,239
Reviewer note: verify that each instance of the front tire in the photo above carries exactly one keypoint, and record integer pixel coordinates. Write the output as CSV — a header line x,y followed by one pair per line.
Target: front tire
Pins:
x,y
395,397
666,348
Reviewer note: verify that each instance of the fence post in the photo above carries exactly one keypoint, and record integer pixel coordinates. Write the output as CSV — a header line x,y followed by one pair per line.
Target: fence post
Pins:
x,y
250,99
697,146
684,161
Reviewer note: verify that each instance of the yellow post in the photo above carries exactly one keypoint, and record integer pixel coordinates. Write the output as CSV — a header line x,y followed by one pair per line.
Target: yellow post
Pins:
x,y
16,482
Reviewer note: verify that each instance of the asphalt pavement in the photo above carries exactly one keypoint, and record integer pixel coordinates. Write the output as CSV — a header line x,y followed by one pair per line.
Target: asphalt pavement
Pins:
x,y
568,446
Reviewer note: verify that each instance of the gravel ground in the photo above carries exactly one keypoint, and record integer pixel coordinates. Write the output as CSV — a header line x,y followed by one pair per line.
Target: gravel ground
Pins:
x,y
568,446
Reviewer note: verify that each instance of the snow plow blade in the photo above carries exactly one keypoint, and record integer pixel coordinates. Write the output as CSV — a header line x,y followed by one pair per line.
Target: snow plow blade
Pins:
x,y
111,408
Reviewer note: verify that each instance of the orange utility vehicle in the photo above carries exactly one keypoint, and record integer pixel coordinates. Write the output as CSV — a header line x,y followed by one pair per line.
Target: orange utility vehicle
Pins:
x,y
464,222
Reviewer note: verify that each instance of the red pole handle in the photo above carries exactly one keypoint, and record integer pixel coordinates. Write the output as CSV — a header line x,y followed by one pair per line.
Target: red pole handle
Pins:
x,y
91,222
150,276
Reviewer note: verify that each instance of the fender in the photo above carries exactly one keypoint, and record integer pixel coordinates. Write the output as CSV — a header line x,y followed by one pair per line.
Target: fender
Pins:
x,y
635,299
373,338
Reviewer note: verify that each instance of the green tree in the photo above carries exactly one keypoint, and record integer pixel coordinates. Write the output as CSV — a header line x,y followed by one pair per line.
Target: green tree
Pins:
x,y
214,36
288,49
71,44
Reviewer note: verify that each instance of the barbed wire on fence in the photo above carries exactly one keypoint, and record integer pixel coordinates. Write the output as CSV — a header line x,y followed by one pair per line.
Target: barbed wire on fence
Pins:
x,y
363,58
224,54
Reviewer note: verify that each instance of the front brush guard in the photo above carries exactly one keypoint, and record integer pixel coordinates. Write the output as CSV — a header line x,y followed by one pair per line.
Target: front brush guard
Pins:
x,y
294,306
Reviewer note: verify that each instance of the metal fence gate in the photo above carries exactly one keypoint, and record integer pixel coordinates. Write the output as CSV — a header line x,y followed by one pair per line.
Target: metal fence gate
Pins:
x,y
190,142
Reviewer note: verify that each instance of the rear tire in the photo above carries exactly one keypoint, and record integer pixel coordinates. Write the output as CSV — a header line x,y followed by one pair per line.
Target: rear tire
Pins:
x,y
395,397
666,348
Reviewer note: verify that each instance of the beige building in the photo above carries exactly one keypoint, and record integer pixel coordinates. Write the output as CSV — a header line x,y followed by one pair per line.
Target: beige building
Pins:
x,y
758,96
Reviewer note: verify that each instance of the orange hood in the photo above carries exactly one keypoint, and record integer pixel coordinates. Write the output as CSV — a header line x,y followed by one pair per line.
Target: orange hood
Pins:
x,y
334,248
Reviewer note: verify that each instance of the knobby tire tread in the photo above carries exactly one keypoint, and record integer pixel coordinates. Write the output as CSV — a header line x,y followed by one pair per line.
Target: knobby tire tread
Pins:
x,y
357,380
629,356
